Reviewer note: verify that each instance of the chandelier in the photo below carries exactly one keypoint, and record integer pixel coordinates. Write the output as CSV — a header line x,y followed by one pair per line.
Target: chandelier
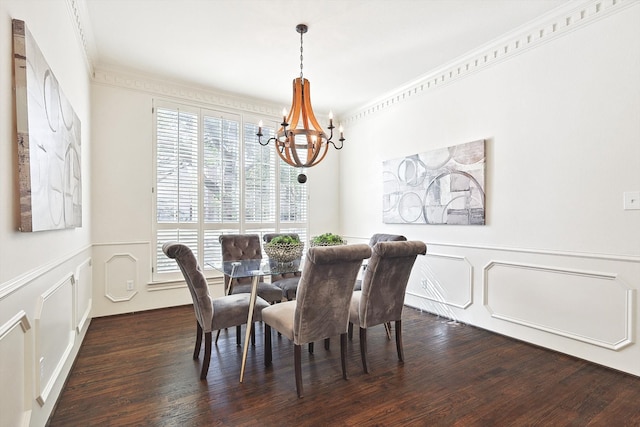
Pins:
x,y
300,140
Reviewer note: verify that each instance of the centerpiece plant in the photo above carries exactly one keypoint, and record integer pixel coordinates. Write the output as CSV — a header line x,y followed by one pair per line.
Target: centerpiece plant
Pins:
x,y
328,239
284,248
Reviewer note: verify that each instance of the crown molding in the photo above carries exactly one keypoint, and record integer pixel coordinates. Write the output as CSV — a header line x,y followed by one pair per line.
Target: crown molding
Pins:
x,y
551,26
557,23
168,89
84,33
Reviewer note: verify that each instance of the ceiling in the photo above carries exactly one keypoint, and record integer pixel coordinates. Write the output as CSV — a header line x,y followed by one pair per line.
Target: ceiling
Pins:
x,y
354,52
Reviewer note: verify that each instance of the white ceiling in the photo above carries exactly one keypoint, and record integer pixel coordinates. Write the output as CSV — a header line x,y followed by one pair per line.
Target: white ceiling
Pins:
x,y
355,50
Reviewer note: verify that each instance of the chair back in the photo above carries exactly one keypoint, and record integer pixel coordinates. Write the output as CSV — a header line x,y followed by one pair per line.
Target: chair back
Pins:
x,y
381,237
325,289
237,247
275,277
196,282
385,281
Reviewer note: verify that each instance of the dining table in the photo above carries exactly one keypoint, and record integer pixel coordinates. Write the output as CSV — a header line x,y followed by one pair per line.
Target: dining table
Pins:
x,y
255,269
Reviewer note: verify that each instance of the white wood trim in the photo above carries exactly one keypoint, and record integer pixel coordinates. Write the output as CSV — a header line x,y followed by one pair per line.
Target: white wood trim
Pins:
x,y
13,285
21,319
107,284
44,390
629,296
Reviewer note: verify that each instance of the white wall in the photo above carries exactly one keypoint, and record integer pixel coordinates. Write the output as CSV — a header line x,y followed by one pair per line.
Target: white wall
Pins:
x,y
45,277
558,262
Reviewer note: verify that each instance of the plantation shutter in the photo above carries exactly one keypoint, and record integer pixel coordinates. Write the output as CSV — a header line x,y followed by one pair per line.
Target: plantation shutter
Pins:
x,y
222,181
293,196
176,180
221,139
259,178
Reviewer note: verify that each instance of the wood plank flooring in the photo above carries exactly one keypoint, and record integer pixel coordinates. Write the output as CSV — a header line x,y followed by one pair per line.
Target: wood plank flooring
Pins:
x,y
137,370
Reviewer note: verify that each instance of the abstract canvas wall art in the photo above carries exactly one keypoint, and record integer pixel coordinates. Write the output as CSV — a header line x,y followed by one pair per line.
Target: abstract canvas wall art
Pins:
x,y
444,186
48,133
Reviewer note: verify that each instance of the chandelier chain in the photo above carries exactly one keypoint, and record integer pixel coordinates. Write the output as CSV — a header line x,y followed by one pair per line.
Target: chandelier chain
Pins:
x,y
301,78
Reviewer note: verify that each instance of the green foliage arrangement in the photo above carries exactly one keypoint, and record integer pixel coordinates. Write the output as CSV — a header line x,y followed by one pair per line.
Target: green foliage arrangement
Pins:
x,y
287,240
328,239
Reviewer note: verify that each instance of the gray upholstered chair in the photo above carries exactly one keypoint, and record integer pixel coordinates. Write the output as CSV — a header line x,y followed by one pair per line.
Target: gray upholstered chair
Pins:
x,y
237,247
380,237
382,296
211,313
288,282
321,308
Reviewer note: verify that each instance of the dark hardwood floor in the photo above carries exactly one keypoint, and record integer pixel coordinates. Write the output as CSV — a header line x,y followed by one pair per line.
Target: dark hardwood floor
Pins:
x,y
137,370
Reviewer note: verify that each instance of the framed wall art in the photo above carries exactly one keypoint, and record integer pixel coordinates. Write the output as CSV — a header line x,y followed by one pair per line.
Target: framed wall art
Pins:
x,y
49,149
444,186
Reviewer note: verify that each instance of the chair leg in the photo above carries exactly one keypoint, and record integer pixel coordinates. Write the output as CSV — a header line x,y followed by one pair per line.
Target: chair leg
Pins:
x,y
327,343
207,355
399,340
297,361
310,347
196,351
217,336
253,334
267,345
350,331
238,333
387,328
343,354
363,349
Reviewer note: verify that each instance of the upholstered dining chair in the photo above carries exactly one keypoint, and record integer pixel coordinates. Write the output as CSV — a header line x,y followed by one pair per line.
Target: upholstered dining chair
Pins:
x,y
237,247
380,237
381,299
321,307
211,313
288,282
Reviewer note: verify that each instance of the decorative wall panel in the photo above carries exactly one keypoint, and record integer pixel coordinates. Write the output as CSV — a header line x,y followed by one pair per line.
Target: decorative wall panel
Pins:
x,y
15,353
444,279
593,307
121,276
83,294
54,334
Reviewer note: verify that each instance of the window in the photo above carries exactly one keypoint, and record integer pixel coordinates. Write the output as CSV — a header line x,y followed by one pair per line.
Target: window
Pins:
x,y
212,178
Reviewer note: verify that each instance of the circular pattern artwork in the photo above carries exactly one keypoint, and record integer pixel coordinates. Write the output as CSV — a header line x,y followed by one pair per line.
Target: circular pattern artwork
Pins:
x,y
443,186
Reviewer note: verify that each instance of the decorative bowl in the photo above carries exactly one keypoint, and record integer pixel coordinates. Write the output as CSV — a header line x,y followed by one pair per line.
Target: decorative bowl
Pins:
x,y
344,242
284,252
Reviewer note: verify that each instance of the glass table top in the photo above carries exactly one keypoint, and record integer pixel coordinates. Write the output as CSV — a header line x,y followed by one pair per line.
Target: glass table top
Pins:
x,y
255,267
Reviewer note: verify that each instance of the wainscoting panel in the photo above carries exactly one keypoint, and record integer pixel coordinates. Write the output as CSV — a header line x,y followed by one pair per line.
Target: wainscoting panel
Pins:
x,y
593,307
54,334
444,279
581,304
83,294
120,277
15,352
